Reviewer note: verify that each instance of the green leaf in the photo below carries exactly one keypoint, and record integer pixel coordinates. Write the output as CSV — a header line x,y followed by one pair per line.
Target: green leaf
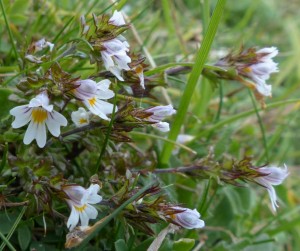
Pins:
x,y
7,219
24,236
120,245
183,244
6,105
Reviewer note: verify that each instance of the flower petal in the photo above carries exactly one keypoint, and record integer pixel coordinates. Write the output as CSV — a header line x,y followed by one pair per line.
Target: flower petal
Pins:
x,y
273,197
162,126
22,116
41,135
30,133
75,193
117,19
91,212
84,218
54,121
73,219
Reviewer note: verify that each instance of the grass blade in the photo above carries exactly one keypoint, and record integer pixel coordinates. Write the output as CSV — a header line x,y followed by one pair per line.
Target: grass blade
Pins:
x,y
261,125
244,115
201,57
4,157
9,31
6,242
107,135
13,228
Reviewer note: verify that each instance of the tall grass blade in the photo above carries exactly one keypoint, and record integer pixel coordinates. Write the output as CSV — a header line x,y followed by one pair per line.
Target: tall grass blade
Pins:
x,y
201,57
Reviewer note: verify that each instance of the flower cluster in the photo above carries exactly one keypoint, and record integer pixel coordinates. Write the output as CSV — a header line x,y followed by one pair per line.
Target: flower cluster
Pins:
x,y
254,65
55,96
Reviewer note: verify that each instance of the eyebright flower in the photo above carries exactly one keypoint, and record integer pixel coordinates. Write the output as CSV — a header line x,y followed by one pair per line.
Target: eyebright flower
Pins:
x,y
261,70
41,44
188,219
92,95
273,176
115,56
81,117
40,114
117,19
79,200
254,65
158,114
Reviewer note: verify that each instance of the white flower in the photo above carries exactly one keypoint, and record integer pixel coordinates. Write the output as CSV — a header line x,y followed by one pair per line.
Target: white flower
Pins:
x,y
41,44
40,114
92,95
274,176
260,72
117,19
162,126
81,117
189,219
158,114
115,56
79,200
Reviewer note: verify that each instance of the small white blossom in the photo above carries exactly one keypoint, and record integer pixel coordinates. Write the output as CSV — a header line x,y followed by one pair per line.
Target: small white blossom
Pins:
x,y
117,19
40,114
80,117
188,219
115,56
92,95
274,176
159,113
41,44
260,71
80,200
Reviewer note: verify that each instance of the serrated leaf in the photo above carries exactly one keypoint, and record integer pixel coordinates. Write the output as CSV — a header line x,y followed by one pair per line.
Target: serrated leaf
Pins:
x,y
24,236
